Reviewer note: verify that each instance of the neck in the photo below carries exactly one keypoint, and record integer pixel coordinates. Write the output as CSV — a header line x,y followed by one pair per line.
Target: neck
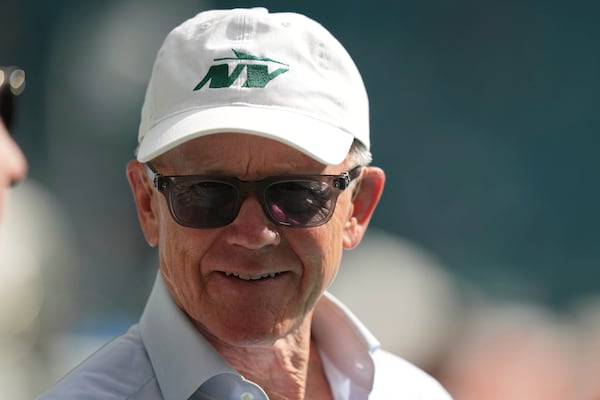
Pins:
x,y
290,368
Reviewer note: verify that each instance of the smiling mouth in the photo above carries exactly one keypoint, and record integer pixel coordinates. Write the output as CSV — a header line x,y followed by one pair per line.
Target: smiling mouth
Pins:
x,y
248,277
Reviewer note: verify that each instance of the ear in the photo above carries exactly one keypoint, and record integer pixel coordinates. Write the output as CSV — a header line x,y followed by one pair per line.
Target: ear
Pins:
x,y
144,196
365,199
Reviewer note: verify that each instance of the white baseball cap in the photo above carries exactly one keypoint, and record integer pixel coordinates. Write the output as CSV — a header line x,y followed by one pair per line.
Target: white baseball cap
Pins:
x,y
277,75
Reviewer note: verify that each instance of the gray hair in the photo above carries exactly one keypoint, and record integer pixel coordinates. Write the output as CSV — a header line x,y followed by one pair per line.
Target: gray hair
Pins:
x,y
359,154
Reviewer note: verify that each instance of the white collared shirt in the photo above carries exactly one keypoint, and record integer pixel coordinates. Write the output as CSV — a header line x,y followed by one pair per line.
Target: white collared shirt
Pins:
x,y
165,358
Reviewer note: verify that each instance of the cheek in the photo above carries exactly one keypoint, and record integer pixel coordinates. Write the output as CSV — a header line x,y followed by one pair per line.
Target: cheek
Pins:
x,y
179,256
333,241
321,253
333,255
175,242
172,256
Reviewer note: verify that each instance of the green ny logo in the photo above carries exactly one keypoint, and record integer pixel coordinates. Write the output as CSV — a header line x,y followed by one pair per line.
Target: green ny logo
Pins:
x,y
257,75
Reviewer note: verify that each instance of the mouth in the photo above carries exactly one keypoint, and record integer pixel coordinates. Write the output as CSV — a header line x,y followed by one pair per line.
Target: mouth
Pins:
x,y
248,277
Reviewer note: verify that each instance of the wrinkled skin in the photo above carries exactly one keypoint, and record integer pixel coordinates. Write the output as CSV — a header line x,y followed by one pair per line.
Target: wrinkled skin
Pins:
x,y
263,320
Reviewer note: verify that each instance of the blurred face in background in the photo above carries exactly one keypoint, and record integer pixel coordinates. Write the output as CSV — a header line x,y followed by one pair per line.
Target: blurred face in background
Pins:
x,y
12,164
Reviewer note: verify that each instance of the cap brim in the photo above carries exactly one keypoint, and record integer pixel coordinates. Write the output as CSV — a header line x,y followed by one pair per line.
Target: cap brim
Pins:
x,y
325,143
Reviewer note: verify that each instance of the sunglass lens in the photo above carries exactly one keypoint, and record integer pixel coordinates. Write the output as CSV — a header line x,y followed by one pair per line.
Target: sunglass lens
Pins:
x,y
204,204
299,203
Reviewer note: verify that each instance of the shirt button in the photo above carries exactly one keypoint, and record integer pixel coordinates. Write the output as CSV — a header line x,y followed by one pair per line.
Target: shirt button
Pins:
x,y
246,396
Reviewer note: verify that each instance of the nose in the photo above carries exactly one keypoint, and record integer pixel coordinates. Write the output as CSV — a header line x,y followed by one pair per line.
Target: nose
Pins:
x,y
13,165
251,227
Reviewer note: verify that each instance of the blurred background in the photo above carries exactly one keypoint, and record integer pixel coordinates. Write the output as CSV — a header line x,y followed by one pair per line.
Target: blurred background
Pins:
x,y
484,251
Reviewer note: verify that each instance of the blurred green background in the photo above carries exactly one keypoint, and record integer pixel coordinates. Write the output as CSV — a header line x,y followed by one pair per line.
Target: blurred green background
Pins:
x,y
484,115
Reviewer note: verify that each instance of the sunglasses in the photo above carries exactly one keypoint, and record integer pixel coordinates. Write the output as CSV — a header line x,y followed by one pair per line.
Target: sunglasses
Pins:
x,y
202,201
12,84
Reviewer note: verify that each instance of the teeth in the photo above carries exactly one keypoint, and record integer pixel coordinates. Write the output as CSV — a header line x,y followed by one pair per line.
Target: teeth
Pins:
x,y
247,277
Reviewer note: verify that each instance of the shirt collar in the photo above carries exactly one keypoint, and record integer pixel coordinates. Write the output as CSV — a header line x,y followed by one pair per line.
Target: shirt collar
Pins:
x,y
183,360
181,357
345,342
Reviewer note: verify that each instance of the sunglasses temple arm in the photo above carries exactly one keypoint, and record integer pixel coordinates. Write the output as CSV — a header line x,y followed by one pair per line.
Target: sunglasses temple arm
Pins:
x,y
152,174
344,181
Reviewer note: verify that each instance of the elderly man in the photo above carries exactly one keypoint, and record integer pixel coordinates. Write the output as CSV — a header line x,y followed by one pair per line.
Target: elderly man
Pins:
x,y
13,165
252,176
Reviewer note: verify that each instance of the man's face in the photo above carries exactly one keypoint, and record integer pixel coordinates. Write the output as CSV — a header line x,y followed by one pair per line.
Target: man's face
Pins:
x,y
12,163
214,275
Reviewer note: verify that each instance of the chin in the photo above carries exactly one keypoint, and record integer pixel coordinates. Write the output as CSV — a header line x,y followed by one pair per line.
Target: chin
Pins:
x,y
247,332
253,333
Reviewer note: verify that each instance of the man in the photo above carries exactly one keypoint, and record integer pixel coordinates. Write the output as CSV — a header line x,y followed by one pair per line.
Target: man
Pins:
x,y
13,165
252,176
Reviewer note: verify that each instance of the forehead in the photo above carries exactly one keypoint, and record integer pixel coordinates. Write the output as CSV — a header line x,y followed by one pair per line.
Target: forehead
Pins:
x,y
239,154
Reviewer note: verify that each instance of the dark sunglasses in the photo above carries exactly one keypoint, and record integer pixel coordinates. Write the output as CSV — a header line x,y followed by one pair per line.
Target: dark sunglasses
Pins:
x,y
201,201
12,84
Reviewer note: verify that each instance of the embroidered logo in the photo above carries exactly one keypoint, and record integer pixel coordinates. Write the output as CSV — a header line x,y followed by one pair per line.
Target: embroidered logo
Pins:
x,y
257,72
